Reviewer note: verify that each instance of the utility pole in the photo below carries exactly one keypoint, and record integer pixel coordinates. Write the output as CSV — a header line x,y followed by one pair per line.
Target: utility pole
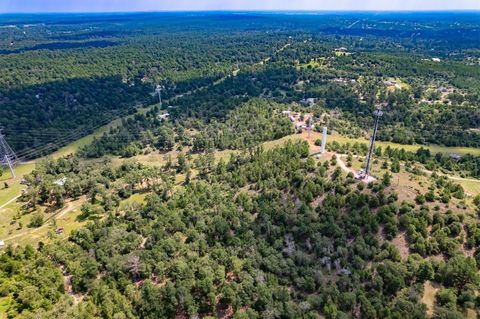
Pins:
x,y
310,127
7,156
378,113
324,140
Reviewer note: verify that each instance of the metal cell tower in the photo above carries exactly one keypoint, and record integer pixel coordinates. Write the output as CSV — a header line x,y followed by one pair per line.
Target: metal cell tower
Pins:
x,y
378,113
158,89
7,156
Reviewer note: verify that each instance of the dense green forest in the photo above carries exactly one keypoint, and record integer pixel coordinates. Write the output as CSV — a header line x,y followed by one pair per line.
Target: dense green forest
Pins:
x,y
55,74
247,237
214,202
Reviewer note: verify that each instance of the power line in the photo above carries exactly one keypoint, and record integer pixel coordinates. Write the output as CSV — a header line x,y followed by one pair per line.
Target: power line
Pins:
x,y
57,142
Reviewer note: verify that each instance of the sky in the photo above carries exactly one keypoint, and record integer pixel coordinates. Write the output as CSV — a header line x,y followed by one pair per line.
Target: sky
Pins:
x,y
41,6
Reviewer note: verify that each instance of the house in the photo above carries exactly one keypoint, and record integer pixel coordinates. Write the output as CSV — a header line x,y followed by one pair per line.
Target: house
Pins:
x,y
2,244
342,81
436,60
390,83
163,116
455,156
309,101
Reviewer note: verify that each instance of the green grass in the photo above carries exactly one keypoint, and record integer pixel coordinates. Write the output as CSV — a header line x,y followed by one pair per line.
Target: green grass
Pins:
x,y
14,187
470,186
135,198
433,148
45,233
342,140
430,290
313,63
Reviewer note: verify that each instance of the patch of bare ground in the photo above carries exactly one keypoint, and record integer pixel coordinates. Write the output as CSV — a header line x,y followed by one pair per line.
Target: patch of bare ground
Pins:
x,y
400,241
381,234
224,311
405,193
471,314
231,277
154,279
67,284
317,201
429,291
468,252
181,314
144,241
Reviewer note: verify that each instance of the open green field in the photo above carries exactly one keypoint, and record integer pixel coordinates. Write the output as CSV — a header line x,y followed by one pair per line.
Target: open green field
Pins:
x,y
20,233
313,63
14,187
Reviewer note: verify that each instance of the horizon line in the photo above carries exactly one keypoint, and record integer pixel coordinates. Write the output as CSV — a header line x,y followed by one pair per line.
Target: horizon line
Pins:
x,y
248,10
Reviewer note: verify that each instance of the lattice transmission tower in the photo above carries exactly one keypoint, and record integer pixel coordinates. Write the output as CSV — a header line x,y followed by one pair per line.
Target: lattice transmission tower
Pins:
x,y
7,155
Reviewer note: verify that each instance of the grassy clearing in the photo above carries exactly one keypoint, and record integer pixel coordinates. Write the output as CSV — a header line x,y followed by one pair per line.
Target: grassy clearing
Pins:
x,y
317,63
341,53
65,218
429,291
135,198
471,187
14,187
7,215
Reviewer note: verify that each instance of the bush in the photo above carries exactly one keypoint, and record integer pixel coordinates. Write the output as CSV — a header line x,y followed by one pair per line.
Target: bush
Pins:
x,y
420,199
446,298
36,221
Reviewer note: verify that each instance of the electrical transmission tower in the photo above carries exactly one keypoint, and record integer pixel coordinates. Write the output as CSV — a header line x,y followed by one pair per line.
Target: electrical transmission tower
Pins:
x,y
378,113
7,156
